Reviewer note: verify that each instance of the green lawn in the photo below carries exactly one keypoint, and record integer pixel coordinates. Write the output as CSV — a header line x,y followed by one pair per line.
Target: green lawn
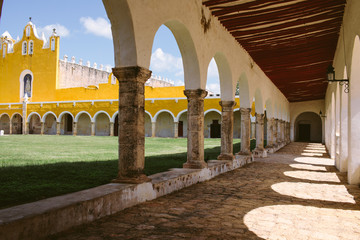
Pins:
x,y
34,167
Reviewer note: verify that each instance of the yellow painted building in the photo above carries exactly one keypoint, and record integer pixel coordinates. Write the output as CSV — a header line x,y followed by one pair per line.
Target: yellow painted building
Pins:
x,y
43,94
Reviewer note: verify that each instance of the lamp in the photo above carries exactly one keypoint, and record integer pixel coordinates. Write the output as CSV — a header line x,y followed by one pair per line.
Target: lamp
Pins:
x,y
331,78
320,113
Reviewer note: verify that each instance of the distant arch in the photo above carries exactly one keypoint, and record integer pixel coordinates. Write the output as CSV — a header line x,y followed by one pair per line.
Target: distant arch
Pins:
x,y
5,123
97,113
212,110
46,114
164,110
31,114
16,123
179,115
83,112
308,127
226,84
63,113
244,93
114,116
259,104
102,123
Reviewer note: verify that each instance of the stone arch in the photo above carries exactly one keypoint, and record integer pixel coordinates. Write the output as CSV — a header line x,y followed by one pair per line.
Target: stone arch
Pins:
x,y
164,124
115,120
83,112
102,123
212,123
244,93
164,110
227,88
269,108
181,118
5,123
49,119
259,104
83,120
34,120
66,120
148,124
308,127
16,123
114,116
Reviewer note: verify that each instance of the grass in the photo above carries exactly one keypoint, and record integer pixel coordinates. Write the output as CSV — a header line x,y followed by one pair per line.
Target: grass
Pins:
x,y
34,167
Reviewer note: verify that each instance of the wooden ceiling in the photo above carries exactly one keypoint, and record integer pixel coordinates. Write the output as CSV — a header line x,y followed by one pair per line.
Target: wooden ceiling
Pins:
x,y
293,41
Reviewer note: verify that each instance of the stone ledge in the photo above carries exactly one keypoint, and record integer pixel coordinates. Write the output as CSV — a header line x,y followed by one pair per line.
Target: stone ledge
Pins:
x,y
49,216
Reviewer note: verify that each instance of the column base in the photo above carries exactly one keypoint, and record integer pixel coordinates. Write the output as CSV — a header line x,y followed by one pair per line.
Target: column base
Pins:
x,y
258,152
270,149
226,156
195,165
247,158
132,180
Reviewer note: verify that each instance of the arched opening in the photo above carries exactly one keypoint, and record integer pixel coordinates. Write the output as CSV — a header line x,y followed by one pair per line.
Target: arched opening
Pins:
x,y
66,124
35,124
5,123
212,124
116,125
308,127
237,124
147,125
50,124
182,125
17,123
84,125
265,128
102,125
164,125
213,80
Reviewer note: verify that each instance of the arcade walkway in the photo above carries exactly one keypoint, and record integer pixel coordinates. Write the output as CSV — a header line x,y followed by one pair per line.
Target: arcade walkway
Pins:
x,y
293,194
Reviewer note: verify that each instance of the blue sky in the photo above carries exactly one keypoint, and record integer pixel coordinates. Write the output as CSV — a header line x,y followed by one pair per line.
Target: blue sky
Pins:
x,y
85,33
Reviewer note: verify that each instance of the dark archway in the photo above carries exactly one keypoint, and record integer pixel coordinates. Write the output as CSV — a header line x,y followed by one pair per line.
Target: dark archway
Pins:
x,y
308,127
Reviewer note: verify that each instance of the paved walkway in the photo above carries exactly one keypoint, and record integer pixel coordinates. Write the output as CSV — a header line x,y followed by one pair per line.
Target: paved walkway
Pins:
x,y
295,193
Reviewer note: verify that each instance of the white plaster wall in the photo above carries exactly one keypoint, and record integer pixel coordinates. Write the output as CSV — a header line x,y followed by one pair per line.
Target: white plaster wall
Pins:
x,y
102,125
5,124
84,125
296,108
208,119
164,125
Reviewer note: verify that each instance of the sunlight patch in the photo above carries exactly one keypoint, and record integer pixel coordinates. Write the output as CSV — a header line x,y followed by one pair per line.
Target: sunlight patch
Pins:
x,y
313,176
315,160
308,167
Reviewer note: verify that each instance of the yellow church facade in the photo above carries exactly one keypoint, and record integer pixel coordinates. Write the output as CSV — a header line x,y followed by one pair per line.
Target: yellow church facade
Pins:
x,y
43,94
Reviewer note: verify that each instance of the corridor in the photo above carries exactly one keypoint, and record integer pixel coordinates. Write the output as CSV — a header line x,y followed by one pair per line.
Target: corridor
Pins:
x,y
295,193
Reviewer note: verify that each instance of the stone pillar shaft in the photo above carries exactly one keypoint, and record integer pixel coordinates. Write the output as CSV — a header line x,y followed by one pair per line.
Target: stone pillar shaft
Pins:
x,y
58,128
259,131
111,129
176,129
75,128
245,131
131,123
153,129
227,126
92,128
27,128
42,128
270,133
195,128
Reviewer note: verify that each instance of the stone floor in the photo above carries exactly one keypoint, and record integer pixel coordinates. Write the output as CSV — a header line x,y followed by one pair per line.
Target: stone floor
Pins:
x,y
295,193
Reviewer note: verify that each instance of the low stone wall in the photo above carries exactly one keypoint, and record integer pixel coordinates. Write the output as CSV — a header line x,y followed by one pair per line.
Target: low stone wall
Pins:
x,y
49,216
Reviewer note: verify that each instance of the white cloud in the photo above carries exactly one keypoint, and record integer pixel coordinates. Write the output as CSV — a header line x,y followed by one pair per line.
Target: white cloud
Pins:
x,y
61,30
214,87
165,62
179,83
100,26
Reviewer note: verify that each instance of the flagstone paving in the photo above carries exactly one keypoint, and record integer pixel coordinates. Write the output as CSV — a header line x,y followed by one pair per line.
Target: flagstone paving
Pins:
x,y
295,193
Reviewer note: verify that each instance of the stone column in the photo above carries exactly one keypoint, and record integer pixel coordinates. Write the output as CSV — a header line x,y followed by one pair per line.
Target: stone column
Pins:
x,y
131,123
259,151
25,124
153,129
27,128
195,128
58,128
245,131
42,128
10,130
278,132
75,128
227,126
111,129
176,129
270,134
283,132
92,128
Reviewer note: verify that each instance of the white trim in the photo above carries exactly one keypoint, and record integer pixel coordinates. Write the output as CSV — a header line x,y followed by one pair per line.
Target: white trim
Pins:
x,y
12,116
31,49
179,114
151,117
112,119
2,114
78,115
62,114
101,111
236,109
212,110
22,75
24,48
30,115
47,113
161,111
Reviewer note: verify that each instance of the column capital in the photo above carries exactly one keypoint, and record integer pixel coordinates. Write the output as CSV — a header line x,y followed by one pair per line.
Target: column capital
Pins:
x,y
259,118
227,106
195,93
245,111
124,74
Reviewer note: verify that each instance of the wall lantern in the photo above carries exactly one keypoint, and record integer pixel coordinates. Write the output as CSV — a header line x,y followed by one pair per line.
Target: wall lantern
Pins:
x,y
320,113
331,78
